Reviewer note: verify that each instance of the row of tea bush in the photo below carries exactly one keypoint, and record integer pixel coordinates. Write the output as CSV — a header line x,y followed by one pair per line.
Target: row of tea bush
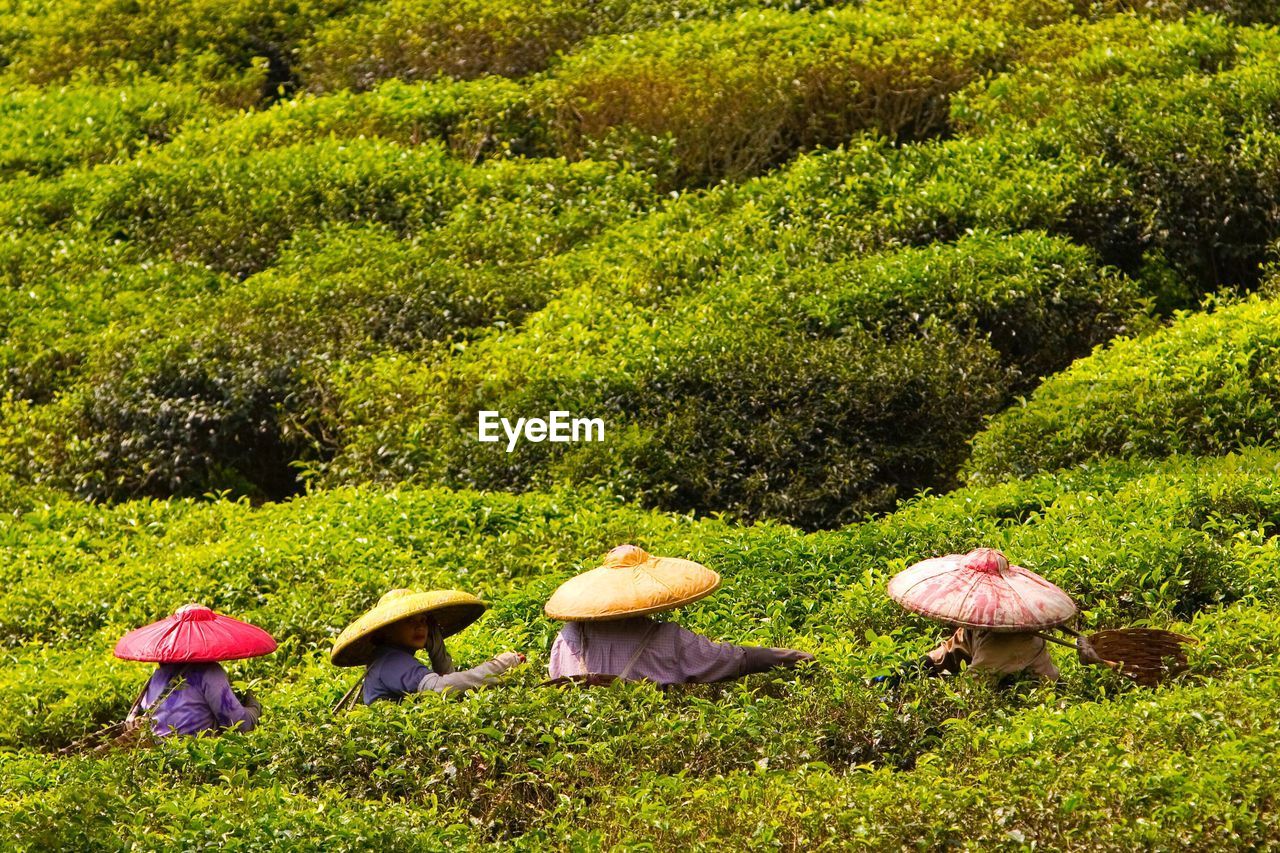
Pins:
x,y
818,755
332,288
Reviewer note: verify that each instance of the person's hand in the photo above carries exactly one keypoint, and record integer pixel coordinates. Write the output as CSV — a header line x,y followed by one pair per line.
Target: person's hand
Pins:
x,y
1084,649
510,659
251,701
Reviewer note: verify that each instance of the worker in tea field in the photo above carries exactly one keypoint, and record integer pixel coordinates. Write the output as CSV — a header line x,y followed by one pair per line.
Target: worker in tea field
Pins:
x,y
189,693
1004,617
404,622
609,632
998,610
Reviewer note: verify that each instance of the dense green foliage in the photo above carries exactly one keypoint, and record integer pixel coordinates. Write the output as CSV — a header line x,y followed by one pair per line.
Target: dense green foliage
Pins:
x,y
1205,385
423,39
813,263
882,366
524,762
43,131
502,266
231,343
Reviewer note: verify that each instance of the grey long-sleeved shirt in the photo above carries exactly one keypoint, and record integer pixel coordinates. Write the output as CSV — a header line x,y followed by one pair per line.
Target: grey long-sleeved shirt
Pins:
x,y
396,672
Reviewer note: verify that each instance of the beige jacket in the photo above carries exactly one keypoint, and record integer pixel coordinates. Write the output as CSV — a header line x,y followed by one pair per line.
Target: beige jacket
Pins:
x,y
995,652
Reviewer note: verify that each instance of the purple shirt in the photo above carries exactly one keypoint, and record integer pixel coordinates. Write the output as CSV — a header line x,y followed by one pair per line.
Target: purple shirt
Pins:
x,y
203,703
671,654
395,672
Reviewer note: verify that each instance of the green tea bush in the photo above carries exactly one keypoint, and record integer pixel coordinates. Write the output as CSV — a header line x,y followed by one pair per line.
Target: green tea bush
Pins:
x,y
1205,385
983,787
1185,111
1002,180
1191,768
727,99
1130,541
874,361
227,391
329,289
424,39
1040,300
490,116
242,51
740,90
65,291
1238,11
536,766
178,201
247,818
234,212
247,56
44,131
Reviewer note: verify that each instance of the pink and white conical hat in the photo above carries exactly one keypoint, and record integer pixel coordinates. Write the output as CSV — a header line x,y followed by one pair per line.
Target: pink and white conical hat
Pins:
x,y
981,590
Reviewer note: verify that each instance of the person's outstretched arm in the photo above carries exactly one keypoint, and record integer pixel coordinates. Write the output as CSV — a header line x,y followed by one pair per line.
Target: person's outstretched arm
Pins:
x,y
701,660
763,659
469,679
951,653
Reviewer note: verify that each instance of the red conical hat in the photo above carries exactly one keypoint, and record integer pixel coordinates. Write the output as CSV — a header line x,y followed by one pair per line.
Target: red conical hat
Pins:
x,y
981,590
195,634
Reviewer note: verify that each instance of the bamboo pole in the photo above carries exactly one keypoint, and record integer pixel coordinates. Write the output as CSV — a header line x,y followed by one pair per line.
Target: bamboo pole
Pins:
x,y
349,695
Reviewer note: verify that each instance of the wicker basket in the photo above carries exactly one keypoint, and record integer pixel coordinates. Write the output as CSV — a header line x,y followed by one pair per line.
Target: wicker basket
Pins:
x,y
1147,655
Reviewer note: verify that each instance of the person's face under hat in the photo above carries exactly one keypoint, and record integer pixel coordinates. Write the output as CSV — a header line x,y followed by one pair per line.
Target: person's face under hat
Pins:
x,y
412,632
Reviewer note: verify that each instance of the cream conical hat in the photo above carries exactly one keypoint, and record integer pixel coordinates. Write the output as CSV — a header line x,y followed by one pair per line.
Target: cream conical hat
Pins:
x,y
454,610
631,583
981,590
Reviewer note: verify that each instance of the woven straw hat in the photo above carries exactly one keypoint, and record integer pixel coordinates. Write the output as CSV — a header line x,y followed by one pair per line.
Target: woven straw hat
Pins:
x,y
454,611
981,590
631,583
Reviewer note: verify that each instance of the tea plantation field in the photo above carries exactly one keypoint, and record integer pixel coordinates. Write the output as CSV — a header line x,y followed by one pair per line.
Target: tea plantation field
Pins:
x,y
851,285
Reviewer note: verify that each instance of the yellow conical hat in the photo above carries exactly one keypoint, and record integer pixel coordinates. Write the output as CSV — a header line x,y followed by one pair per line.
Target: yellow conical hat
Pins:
x,y
454,611
631,583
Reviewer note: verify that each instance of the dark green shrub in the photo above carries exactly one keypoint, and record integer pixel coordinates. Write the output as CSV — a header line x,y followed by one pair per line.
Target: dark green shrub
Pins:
x,y
1185,112
1205,385
44,131
243,50
227,390
881,366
